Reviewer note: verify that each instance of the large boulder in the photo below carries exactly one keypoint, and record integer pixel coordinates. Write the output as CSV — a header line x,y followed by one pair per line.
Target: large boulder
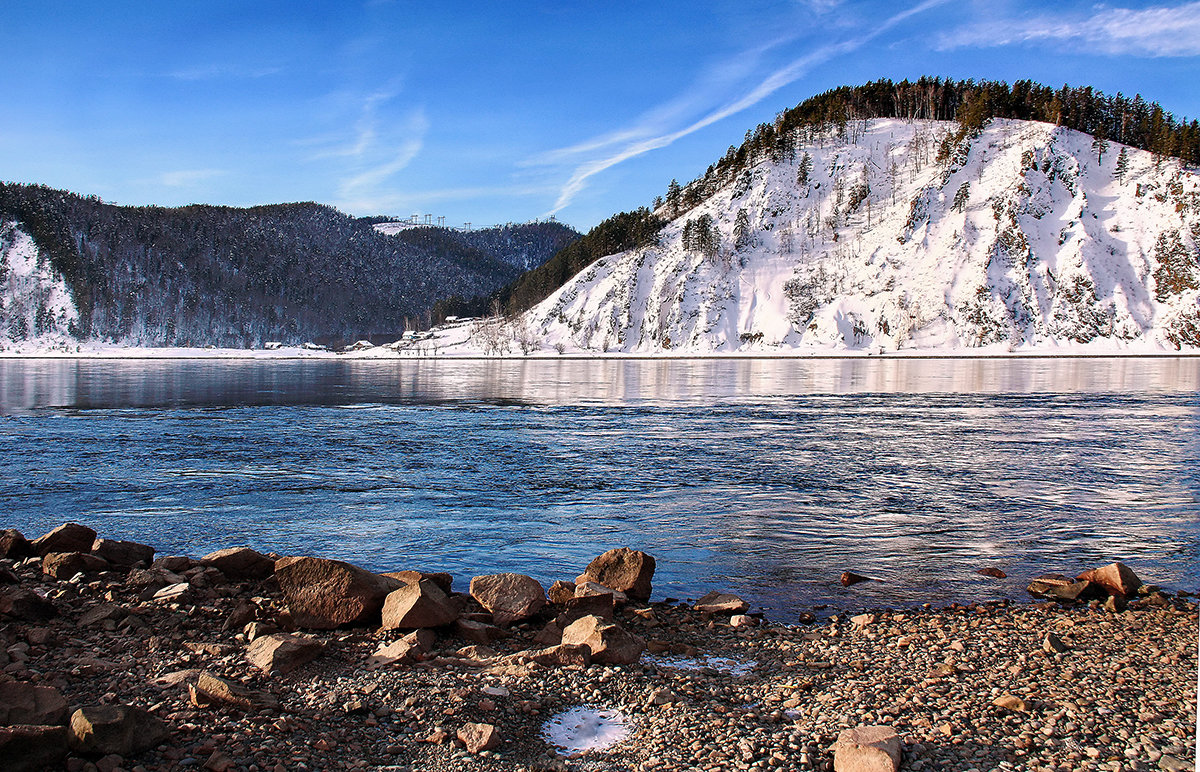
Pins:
x,y
421,604
240,564
28,748
26,605
64,565
1115,578
126,554
628,571
25,703
13,545
609,643
323,594
509,597
867,749
69,537
119,729
282,653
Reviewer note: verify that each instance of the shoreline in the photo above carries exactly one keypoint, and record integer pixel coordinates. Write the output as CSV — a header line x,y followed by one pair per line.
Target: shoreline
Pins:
x,y
202,355
244,664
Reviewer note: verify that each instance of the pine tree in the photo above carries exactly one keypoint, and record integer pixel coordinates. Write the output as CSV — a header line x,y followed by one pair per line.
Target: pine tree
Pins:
x,y
674,194
741,229
1100,145
961,196
804,171
1122,165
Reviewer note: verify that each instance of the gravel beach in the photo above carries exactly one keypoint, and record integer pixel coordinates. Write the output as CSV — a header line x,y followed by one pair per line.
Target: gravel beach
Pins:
x,y
1007,685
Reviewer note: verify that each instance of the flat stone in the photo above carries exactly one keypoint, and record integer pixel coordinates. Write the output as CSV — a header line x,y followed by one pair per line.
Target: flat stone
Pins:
x,y
27,748
586,605
420,604
849,578
992,572
608,642
230,693
26,605
625,570
324,594
562,655
176,564
119,729
25,703
398,652
281,653
589,589
102,612
126,554
175,593
479,737
479,632
721,603
240,564
509,597
69,537
867,749
1011,702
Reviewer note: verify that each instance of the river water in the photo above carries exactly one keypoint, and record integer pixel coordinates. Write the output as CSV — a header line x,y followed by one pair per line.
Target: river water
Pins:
x,y
763,477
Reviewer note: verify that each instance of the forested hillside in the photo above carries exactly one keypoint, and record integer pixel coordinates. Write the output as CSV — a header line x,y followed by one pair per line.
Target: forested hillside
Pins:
x,y
210,275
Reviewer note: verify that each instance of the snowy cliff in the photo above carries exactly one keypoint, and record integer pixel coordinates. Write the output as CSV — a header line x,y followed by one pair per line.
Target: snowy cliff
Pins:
x,y
890,235
34,299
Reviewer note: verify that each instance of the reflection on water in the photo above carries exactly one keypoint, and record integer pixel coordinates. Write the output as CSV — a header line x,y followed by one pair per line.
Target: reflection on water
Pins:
x,y
766,477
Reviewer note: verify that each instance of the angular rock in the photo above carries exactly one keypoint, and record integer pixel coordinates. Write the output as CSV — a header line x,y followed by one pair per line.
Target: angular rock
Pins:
x,y
27,605
243,614
126,554
323,594
152,578
229,693
282,653
608,642
479,632
628,571
589,589
26,748
560,592
992,572
256,630
721,603
562,655
1060,590
420,604
1052,644
400,652
509,597
175,593
849,578
550,635
25,703
479,737
102,612
119,729
1011,702
1115,578
176,564
598,605
69,537
64,565
440,578
14,545
240,564
867,749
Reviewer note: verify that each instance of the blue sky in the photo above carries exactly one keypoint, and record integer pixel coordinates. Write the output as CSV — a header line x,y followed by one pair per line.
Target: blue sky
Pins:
x,y
495,112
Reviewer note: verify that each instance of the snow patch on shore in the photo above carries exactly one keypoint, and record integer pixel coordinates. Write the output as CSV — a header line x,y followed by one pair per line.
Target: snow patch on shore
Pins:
x,y
586,729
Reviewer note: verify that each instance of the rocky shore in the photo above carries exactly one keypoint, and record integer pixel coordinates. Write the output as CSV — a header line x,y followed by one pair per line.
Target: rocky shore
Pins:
x,y
114,660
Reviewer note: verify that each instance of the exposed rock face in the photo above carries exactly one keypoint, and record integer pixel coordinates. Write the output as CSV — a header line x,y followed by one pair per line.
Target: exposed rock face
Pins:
x,y
867,749
609,643
69,537
20,603
479,737
25,703
282,653
509,597
240,564
628,571
126,554
1115,578
721,603
64,565
13,545
27,748
324,594
119,729
440,578
421,604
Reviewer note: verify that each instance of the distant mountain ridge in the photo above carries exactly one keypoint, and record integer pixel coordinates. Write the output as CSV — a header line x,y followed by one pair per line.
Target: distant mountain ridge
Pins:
x,y
892,234
77,268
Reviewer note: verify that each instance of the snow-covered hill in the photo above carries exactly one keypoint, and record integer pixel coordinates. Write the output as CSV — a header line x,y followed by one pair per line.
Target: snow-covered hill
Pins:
x,y
34,299
1020,238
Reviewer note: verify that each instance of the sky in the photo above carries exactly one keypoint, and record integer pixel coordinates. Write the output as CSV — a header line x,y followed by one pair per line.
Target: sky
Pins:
x,y
500,112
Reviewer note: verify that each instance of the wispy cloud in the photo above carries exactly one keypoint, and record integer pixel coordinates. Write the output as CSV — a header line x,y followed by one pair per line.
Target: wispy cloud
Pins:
x,y
1156,31
216,71
184,178
402,202
630,142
